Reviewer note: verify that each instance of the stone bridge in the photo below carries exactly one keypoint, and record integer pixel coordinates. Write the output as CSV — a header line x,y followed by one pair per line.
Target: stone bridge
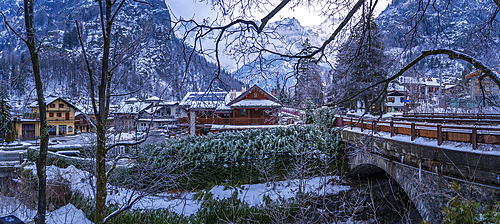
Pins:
x,y
426,172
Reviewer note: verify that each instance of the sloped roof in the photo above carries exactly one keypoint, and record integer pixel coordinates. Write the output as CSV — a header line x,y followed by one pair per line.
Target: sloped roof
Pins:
x,y
255,103
251,89
207,100
49,100
132,108
395,93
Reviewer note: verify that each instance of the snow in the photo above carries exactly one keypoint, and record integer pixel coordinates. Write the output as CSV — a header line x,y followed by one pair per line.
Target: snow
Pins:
x,y
256,103
184,203
485,149
242,127
66,214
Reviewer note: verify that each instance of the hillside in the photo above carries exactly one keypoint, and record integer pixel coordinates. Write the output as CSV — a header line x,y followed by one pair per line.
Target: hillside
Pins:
x,y
149,59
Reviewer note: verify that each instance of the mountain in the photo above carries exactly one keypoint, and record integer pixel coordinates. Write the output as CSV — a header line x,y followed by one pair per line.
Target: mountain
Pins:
x,y
460,25
149,59
267,69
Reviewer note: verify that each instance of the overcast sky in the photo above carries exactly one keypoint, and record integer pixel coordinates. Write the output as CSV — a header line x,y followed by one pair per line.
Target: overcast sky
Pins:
x,y
189,9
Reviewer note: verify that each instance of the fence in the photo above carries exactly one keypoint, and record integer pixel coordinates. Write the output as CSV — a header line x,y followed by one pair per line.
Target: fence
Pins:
x,y
442,132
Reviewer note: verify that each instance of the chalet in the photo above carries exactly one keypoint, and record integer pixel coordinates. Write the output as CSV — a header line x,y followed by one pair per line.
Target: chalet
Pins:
x,y
255,107
207,108
219,111
85,118
60,119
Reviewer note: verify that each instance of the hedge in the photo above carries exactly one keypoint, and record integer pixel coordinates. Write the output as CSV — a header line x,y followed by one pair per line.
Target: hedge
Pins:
x,y
251,156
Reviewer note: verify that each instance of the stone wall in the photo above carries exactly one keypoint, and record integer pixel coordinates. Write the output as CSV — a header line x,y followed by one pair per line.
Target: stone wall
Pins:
x,y
416,169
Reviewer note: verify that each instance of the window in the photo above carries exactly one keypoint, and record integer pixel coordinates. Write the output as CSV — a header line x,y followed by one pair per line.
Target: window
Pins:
x,y
243,112
51,114
61,105
267,112
52,105
70,129
401,99
254,95
391,99
59,114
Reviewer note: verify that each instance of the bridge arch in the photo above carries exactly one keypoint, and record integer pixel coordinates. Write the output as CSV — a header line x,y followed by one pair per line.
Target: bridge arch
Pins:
x,y
426,172
366,164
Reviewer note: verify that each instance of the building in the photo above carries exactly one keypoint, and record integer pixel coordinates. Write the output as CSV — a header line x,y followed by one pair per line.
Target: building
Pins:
x,y
125,118
488,85
255,107
395,102
220,111
60,119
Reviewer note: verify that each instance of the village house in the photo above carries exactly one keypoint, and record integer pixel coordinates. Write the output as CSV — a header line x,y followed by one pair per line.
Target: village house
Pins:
x,y
60,119
234,110
152,113
488,85
395,102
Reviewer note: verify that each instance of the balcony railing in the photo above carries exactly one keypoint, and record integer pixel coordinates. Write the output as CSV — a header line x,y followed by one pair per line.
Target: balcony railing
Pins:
x,y
238,121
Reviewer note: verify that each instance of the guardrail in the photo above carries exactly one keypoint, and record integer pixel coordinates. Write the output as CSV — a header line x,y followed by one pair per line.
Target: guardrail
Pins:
x,y
441,132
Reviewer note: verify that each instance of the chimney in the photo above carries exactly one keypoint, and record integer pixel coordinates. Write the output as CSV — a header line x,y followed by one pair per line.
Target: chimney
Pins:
x,y
243,89
233,94
273,92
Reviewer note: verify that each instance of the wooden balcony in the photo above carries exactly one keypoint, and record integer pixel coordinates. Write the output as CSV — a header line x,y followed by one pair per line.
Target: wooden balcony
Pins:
x,y
238,121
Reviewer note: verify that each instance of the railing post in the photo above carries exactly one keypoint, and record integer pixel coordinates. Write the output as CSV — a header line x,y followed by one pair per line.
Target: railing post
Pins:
x,y
352,124
440,134
392,128
362,125
413,133
21,157
474,138
374,126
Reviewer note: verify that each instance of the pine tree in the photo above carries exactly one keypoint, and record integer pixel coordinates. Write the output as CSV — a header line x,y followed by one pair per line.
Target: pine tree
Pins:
x,y
5,116
309,82
361,62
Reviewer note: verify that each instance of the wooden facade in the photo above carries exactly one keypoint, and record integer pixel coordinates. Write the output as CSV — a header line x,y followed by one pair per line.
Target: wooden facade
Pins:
x,y
253,107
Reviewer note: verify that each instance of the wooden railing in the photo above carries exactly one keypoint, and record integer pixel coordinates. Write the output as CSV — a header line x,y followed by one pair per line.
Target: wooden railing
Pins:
x,y
238,121
441,132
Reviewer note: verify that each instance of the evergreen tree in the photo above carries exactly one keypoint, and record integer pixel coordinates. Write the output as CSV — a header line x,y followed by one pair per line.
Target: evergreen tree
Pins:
x,y
361,62
309,82
5,116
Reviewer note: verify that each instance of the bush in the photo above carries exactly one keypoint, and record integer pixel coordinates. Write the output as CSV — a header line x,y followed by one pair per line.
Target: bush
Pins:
x,y
464,211
251,156
58,192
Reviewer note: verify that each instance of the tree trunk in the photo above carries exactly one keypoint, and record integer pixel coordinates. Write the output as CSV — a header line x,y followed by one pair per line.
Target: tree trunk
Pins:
x,y
44,136
102,115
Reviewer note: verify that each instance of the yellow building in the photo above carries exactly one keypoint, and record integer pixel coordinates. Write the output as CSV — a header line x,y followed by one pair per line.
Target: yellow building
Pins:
x,y
60,119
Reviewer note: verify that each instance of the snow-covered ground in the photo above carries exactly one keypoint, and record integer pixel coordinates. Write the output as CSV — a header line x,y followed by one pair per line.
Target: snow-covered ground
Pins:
x,y
180,203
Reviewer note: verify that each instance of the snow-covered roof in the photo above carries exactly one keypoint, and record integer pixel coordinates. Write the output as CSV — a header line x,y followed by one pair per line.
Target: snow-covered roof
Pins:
x,y
169,103
51,99
428,81
252,89
153,99
131,100
207,100
255,103
132,108
158,119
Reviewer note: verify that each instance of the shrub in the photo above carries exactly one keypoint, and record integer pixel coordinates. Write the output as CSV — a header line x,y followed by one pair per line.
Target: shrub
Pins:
x,y
251,156
465,211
